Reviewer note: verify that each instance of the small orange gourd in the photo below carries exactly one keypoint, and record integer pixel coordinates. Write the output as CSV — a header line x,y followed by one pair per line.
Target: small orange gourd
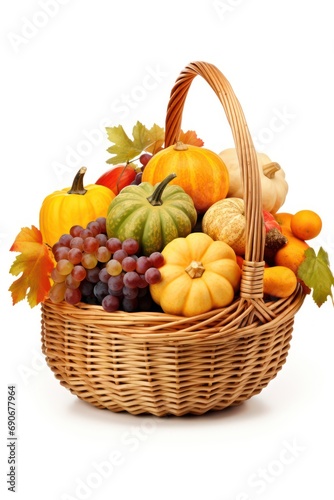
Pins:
x,y
279,281
200,172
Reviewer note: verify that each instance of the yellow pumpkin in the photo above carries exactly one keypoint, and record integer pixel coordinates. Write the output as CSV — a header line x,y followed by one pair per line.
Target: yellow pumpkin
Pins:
x,y
272,176
200,172
77,205
198,275
225,221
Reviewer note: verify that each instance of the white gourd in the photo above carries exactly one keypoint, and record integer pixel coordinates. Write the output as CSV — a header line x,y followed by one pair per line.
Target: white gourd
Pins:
x,y
272,176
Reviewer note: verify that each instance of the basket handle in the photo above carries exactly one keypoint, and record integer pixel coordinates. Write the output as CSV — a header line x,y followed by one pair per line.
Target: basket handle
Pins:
x,y
251,286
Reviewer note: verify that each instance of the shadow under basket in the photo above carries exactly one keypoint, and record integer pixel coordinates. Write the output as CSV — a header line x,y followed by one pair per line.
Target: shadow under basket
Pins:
x,y
155,363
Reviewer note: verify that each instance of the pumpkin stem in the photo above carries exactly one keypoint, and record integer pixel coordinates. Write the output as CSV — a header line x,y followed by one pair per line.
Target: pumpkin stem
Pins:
x,y
77,186
270,169
195,269
180,146
155,198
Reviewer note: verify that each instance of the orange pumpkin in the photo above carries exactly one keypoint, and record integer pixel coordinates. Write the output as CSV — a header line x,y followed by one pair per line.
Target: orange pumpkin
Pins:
x,y
200,172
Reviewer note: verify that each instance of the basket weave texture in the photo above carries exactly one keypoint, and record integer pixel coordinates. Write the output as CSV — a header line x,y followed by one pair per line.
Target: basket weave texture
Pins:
x,y
151,362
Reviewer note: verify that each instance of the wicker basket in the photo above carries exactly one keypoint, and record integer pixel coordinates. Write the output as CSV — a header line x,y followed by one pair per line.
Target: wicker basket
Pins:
x,y
162,364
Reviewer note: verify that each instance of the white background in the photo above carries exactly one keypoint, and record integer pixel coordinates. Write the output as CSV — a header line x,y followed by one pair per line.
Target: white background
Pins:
x,y
70,68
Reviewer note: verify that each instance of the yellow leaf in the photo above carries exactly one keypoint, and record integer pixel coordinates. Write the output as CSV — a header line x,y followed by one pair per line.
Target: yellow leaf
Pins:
x,y
156,139
141,137
123,148
34,264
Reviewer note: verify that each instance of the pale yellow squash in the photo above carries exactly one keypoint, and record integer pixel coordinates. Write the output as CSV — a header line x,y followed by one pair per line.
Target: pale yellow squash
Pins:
x,y
199,275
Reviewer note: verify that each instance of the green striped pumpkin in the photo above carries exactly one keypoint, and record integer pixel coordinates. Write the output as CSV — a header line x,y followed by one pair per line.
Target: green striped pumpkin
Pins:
x,y
152,215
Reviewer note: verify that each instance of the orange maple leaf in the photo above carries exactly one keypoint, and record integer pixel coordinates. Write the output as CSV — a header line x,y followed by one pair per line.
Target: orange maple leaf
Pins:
x,y
190,137
34,263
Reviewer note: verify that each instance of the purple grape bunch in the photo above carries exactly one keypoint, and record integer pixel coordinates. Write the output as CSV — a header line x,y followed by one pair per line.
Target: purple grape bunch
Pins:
x,y
95,269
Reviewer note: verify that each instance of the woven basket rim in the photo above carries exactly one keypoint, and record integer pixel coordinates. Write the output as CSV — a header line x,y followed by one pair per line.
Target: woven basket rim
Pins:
x,y
158,326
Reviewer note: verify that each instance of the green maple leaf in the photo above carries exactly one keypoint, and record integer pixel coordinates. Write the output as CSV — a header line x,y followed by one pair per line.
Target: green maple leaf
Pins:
x,y
316,274
125,148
